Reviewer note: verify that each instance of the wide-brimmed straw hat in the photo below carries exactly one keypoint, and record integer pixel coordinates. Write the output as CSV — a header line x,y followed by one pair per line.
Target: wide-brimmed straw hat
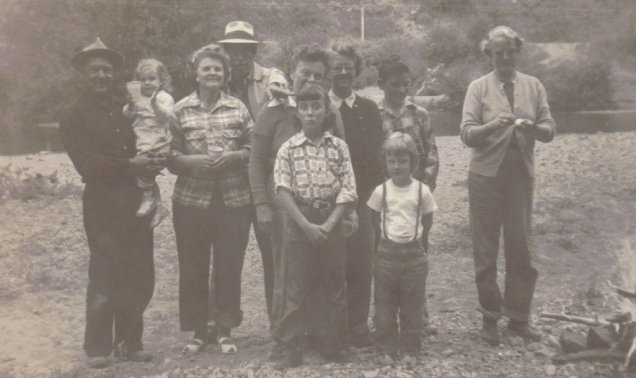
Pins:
x,y
239,32
97,48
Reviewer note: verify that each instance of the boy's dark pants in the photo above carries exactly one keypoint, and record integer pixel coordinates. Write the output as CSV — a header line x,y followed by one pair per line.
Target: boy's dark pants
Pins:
x,y
314,269
359,273
226,230
400,285
120,270
504,200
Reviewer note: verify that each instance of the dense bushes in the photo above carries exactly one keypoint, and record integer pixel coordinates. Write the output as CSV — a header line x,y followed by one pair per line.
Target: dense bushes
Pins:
x,y
38,38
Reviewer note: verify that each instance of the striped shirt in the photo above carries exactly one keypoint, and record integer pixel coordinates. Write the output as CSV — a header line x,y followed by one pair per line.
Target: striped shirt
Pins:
x,y
315,173
229,125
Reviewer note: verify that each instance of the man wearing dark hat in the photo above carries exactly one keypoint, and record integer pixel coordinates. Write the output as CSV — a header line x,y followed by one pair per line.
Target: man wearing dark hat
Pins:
x,y
255,86
101,144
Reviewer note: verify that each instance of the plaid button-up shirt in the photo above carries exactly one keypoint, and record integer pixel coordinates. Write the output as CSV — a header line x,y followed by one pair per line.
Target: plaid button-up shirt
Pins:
x,y
313,173
229,125
415,121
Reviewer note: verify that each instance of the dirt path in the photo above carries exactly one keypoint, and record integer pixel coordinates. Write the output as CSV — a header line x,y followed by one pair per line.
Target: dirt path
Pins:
x,y
585,208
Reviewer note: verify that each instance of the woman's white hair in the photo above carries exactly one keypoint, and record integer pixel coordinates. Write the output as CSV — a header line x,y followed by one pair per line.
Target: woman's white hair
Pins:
x,y
500,32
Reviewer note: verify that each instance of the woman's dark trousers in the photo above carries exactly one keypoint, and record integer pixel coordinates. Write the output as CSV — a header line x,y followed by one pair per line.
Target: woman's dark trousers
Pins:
x,y
225,230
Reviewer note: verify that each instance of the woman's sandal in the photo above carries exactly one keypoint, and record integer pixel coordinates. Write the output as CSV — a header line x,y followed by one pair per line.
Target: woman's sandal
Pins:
x,y
193,346
227,345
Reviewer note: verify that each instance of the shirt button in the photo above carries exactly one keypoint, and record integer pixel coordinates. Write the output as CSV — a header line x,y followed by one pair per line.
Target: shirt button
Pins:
x,y
125,147
116,130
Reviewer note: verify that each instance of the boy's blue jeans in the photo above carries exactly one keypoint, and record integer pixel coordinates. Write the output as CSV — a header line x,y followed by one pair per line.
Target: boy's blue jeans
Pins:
x,y
313,273
400,286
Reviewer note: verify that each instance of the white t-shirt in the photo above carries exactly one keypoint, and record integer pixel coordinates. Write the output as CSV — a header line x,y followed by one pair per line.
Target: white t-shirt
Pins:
x,y
401,210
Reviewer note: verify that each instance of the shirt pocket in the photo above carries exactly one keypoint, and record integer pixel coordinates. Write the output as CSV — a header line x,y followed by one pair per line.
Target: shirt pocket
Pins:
x,y
195,139
231,138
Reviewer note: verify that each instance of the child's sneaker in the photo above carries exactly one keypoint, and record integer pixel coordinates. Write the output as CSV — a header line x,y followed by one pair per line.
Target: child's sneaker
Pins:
x,y
160,214
148,203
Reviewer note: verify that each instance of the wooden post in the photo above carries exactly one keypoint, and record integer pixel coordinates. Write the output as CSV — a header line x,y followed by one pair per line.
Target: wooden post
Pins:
x,y
362,24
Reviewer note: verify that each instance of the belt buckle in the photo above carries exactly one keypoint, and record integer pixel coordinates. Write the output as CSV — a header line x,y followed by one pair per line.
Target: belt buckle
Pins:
x,y
320,205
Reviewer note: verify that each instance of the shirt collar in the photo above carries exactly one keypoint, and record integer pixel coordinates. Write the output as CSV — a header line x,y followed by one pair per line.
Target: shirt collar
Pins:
x,y
337,101
408,105
193,101
501,83
300,139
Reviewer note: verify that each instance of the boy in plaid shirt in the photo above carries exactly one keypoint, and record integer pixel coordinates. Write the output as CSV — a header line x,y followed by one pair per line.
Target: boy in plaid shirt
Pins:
x,y
315,184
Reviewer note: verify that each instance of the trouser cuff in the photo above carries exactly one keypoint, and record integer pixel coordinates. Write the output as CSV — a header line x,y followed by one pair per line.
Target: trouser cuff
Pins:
x,y
515,315
494,315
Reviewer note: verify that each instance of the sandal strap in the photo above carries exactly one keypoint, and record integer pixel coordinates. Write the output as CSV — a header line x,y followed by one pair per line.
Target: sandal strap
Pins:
x,y
197,342
225,340
193,346
228,346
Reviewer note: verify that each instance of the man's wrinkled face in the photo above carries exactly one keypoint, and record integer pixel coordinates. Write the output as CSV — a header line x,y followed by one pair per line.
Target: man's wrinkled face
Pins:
x,y
308,72
241,56
98,74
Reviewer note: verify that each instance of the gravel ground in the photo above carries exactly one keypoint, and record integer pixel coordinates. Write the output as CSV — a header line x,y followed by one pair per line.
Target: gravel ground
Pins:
x,y
585,212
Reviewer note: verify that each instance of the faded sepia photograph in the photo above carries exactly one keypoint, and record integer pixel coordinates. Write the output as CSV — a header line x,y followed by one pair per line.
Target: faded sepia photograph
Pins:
x,y
352,188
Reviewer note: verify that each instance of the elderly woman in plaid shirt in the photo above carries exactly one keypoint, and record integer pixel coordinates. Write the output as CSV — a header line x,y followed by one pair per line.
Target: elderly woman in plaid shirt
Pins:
x,y
210,151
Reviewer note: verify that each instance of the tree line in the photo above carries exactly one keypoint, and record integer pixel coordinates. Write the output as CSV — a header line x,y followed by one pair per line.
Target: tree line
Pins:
x,y
37,37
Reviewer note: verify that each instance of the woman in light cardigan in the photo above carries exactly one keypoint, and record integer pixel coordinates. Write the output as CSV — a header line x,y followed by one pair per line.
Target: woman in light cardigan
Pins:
x,y
505,112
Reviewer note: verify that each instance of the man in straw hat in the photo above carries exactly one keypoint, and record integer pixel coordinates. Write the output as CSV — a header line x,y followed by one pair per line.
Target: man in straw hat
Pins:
x,y
255,86
101,144
251,83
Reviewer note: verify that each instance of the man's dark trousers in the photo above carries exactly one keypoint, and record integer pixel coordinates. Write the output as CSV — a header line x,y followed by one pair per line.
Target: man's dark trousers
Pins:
x,y
121,267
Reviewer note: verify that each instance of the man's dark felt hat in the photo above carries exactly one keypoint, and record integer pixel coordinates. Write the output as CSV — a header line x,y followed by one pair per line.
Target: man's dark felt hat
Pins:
x,y
97,48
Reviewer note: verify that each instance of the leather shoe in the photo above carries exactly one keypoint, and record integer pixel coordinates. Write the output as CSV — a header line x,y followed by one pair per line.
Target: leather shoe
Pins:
x,y
342,356
277,352
139,356
291,358
429,330
98,362
524,330
123,352
362,341
489,332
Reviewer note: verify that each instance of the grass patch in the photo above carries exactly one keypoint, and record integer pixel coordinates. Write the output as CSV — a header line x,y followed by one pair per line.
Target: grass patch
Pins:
x,y
18,183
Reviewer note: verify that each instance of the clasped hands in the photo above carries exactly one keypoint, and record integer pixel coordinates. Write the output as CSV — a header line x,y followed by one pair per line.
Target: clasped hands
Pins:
x,y
203,165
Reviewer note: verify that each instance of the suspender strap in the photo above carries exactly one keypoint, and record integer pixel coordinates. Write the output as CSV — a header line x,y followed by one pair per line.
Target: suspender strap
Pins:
x,y
419,209
383,211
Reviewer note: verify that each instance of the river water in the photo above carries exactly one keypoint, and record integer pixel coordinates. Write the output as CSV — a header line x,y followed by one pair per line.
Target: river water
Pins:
x,y
446,124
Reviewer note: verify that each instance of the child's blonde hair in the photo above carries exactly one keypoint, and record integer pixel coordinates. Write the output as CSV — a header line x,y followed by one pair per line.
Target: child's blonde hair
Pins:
x,y
401,143
159,68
